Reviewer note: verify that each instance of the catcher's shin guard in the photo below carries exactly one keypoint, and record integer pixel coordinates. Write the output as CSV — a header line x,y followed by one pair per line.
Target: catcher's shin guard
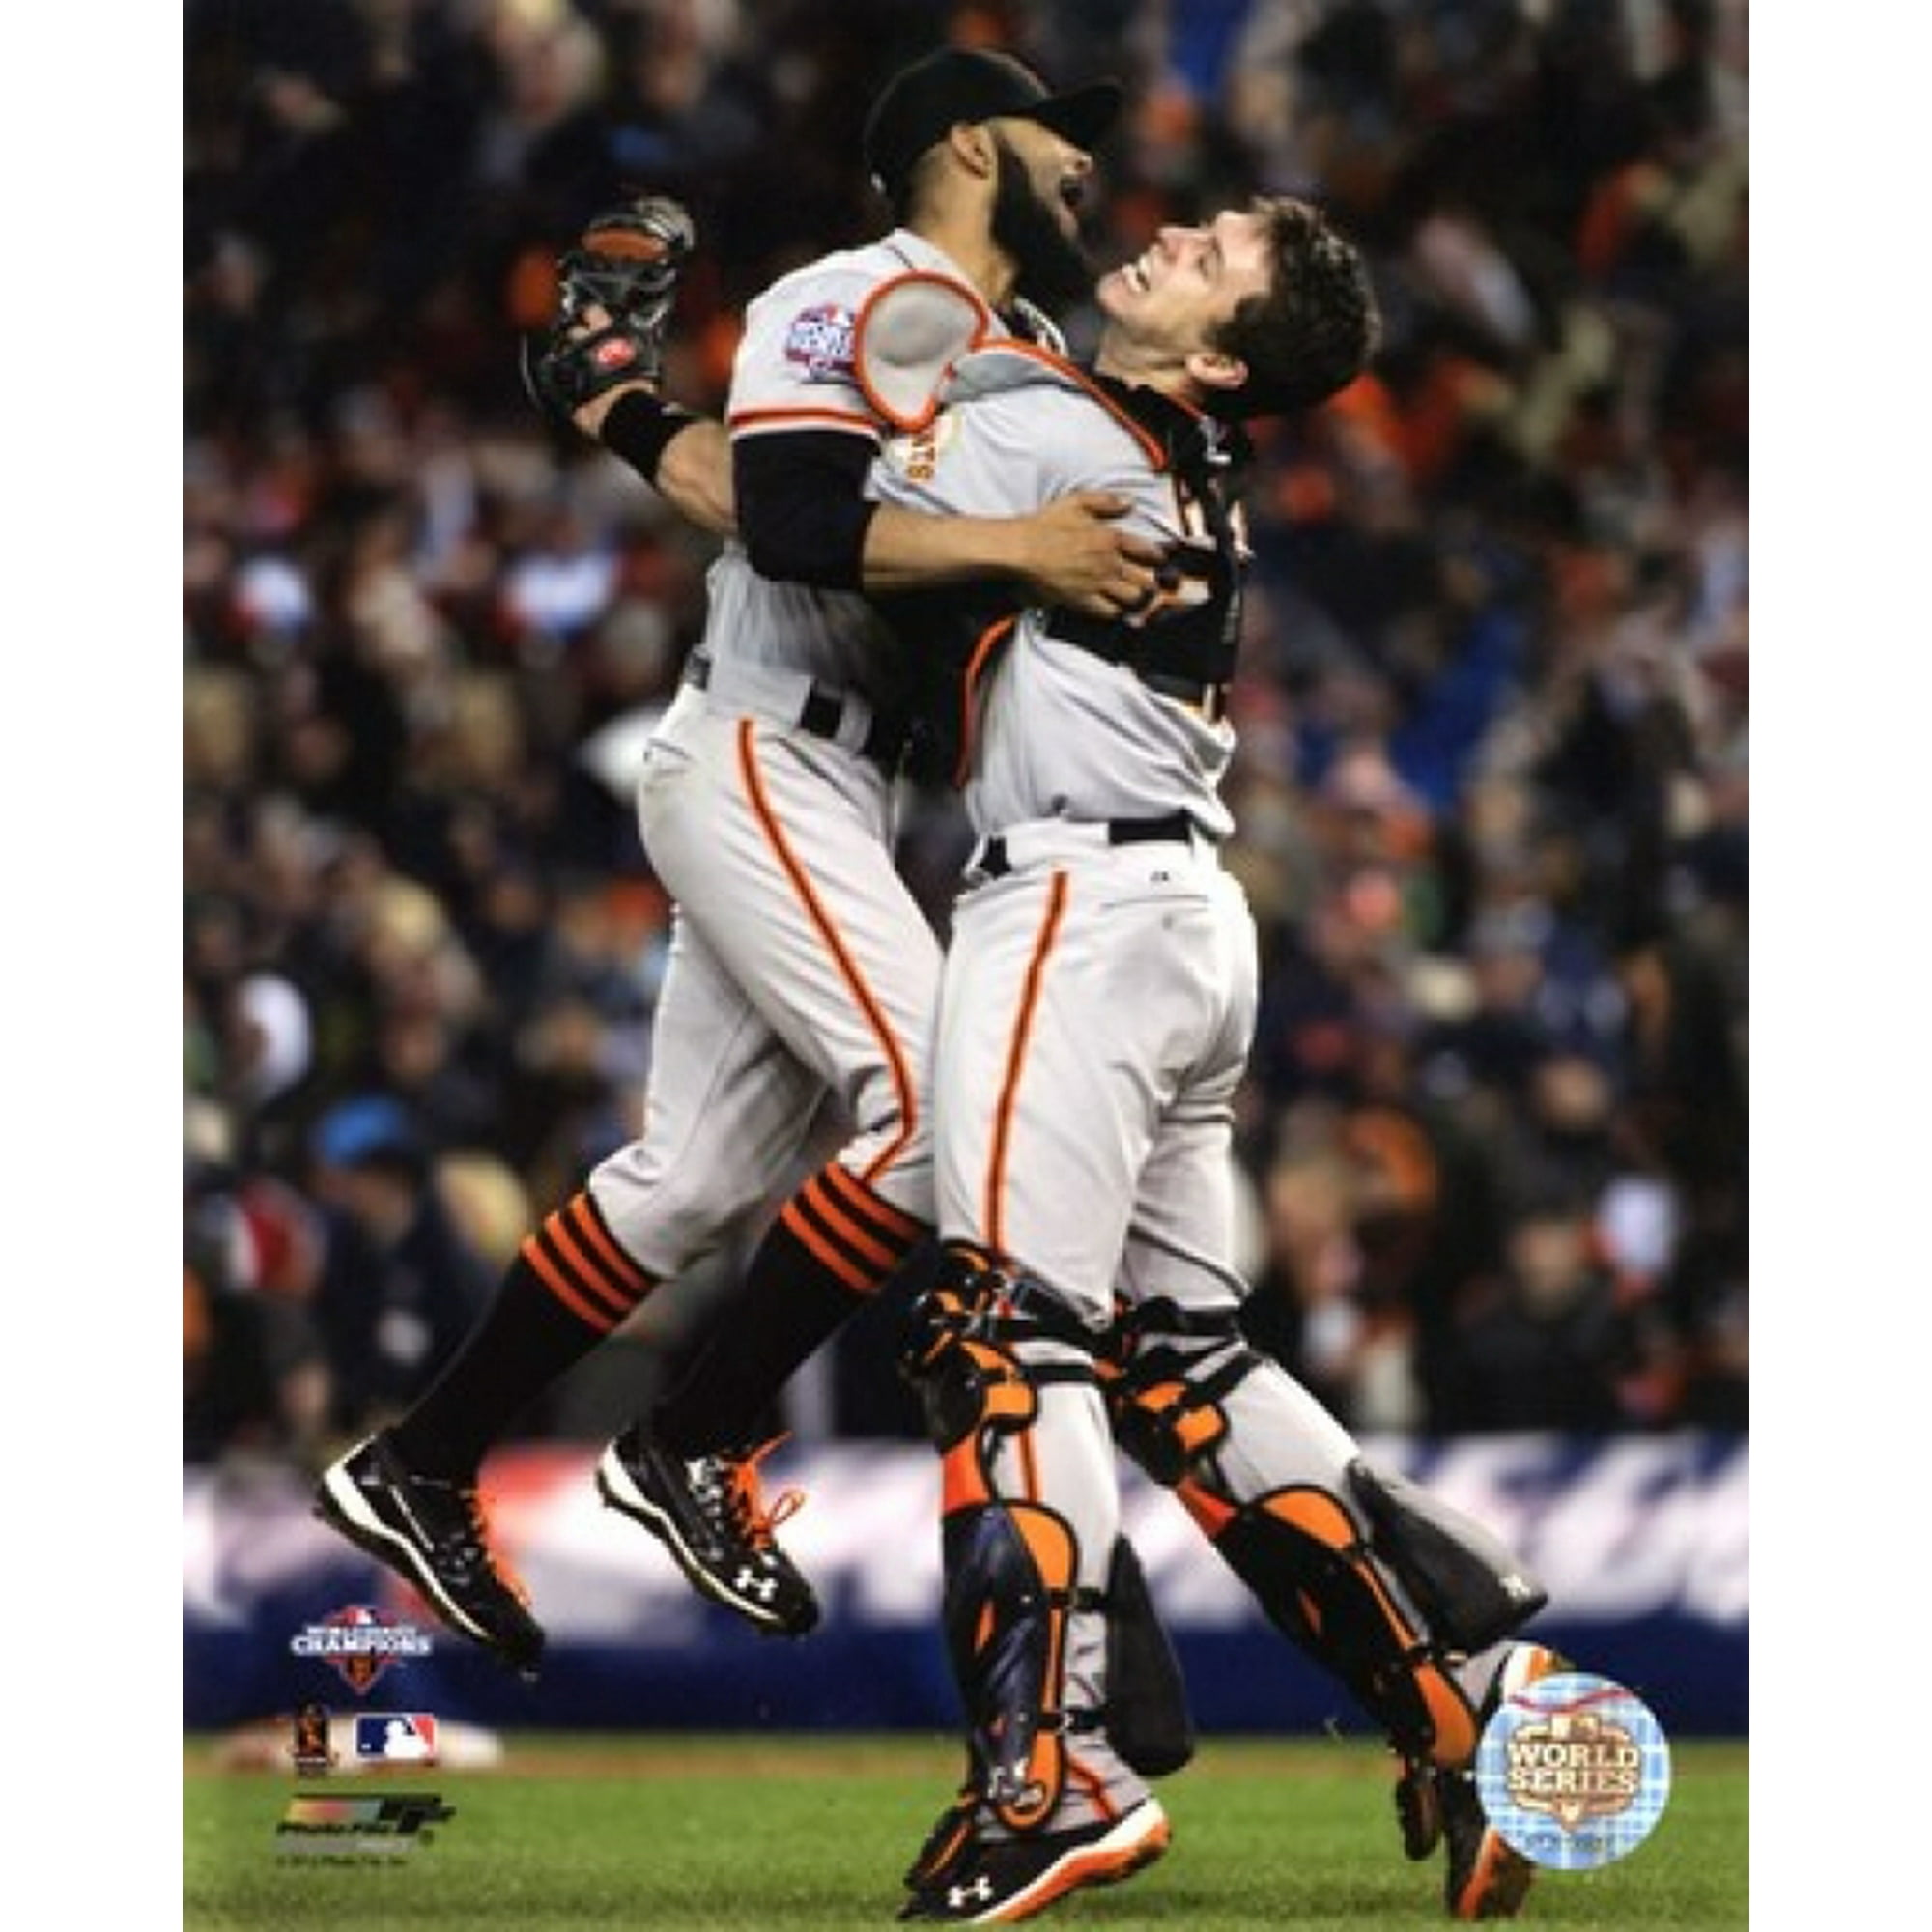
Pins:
x,y
1386,1606
1009,1587
1472,1588
1315,1578
1166,1405
1013,1566
960,1354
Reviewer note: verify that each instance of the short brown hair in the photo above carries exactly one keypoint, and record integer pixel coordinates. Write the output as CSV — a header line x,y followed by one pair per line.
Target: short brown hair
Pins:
x,y
1315,328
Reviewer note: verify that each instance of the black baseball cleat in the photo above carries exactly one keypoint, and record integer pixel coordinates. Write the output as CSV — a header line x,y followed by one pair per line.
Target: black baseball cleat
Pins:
x,y
1488,1877
432,1534
709,1513
1418,1807
947,1840
1001,1881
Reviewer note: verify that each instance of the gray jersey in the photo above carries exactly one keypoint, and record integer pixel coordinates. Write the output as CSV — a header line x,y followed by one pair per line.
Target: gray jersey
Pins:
x,y
794,371
1062,733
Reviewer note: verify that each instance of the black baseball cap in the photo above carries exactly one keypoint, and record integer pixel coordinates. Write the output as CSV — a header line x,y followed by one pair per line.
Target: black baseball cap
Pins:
x,y
922,102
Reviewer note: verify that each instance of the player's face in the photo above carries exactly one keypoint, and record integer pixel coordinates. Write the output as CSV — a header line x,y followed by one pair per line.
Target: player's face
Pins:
x,y
1173,296
1041,184
1055,171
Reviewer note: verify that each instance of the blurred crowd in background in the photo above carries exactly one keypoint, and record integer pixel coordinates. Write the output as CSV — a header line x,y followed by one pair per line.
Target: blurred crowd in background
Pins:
x,y
1492,784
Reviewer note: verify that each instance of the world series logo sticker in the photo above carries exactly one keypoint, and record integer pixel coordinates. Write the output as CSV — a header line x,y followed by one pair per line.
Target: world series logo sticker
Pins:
x,y
1573,1772
819,341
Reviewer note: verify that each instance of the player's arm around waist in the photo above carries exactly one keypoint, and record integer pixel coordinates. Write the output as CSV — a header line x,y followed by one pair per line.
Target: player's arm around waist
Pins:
x,y
807,518
998,506
1067,542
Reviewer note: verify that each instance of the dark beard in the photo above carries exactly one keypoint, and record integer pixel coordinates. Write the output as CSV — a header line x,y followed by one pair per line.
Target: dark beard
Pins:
x,y
1049,270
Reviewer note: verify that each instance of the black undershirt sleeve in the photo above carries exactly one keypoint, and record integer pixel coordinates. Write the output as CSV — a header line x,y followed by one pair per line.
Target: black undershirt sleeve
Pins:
x,y
801,511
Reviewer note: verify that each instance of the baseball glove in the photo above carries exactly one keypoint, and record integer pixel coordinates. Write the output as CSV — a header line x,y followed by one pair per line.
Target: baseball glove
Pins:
x,y
626,264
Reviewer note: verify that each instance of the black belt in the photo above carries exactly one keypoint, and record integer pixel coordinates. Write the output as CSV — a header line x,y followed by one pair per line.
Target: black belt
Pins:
x,y
821,714
1109,639
1209,699
1172,828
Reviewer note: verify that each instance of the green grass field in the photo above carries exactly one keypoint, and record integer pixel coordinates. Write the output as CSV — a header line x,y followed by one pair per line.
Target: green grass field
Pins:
x,y
810,1835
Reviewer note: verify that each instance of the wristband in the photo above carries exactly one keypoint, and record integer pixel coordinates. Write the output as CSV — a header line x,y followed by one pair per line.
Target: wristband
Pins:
x,y
637,427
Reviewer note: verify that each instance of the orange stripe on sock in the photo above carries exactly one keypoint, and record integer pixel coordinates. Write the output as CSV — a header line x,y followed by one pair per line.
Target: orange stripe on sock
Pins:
x,y
584,1212
584,1271
553,1280
848,1271
881,1211
862,1246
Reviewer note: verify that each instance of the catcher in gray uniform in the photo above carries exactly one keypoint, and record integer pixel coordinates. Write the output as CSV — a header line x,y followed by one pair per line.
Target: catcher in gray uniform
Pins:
x,y
1096,1008
1094,1022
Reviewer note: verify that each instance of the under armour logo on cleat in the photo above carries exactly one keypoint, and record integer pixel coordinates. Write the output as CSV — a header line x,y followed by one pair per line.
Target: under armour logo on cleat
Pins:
x,y
979,1892
752,1584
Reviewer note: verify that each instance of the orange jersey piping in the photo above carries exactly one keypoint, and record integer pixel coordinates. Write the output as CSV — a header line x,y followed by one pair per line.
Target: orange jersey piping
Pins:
x,y
848,971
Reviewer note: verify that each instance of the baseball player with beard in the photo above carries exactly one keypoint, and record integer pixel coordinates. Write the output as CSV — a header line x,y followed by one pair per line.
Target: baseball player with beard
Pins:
x,y
802,969
1096,1008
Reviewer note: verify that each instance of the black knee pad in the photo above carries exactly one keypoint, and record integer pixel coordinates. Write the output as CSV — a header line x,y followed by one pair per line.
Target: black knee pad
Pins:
x,y
965,1338
1166,1405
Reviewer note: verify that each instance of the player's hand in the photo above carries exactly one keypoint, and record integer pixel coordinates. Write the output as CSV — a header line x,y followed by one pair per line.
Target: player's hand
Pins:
x,y
1078,556
623,272
589,416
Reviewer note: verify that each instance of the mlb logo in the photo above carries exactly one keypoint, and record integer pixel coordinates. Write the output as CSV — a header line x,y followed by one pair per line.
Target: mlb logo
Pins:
x,y
395,1737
